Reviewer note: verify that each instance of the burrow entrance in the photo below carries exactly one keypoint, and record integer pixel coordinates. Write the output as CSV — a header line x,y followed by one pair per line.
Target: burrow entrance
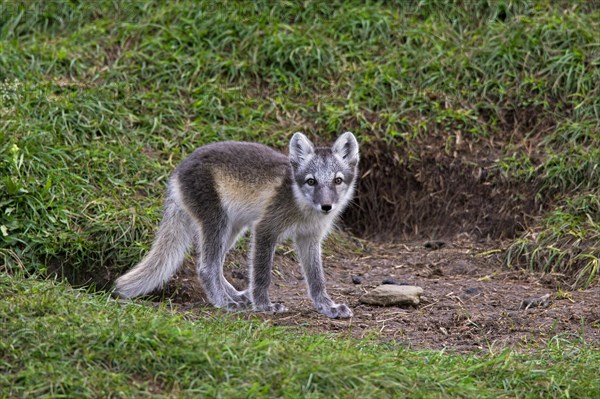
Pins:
x,y
436,193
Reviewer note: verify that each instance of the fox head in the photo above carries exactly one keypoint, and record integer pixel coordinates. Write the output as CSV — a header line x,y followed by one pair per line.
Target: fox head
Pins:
x,y
324,178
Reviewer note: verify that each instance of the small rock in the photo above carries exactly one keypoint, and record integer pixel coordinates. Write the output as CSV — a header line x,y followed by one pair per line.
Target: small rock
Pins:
x,y
435,244
543,301
461,267
356,280
471,291
393,295
389,280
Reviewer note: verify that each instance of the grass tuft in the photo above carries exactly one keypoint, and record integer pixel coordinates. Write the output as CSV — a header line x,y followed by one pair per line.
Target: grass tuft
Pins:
x,y
567,244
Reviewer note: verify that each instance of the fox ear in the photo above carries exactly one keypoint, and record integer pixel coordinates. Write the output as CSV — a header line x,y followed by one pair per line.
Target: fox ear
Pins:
x,y
301,149
346,147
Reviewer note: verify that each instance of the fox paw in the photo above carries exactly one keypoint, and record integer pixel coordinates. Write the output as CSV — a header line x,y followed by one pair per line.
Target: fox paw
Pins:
x,y
271,308
241,298
235,307
232,304
335,311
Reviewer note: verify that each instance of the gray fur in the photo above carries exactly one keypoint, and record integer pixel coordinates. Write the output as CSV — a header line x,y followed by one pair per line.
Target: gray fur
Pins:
x,y
221,189
173,238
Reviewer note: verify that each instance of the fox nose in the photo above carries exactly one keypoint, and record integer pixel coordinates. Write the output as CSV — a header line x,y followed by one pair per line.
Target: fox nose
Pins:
x,y
326,207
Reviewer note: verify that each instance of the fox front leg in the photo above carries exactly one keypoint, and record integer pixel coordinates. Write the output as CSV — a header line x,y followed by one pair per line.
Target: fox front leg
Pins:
x,y
263,251
309,251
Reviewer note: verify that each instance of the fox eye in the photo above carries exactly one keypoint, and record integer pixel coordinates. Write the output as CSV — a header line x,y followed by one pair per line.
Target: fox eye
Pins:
x,y
338,180
311,181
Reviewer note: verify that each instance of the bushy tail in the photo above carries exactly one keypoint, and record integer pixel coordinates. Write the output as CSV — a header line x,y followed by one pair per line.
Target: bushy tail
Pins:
x,y
174,236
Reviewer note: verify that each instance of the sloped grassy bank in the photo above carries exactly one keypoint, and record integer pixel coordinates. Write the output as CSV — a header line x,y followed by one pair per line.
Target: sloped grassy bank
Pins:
x,y
101,100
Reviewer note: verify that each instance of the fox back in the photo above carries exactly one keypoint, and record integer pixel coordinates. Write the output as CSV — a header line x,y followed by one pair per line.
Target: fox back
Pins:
x,y
232,180
248,182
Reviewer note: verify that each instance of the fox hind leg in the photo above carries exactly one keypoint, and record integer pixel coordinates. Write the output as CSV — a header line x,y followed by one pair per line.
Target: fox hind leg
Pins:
x,y
212,245
242,297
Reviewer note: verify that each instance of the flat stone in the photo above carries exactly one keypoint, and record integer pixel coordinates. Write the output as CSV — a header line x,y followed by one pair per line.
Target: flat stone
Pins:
x,y
393,295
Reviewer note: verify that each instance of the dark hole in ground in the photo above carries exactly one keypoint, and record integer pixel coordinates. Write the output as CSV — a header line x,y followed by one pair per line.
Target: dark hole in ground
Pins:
x,y
405,196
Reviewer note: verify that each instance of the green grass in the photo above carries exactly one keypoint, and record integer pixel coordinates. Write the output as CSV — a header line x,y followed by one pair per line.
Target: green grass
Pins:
x,y
100,100
568,242
58,341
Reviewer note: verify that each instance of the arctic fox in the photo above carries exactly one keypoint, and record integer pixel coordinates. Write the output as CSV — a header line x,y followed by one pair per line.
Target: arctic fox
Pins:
x,y
224,188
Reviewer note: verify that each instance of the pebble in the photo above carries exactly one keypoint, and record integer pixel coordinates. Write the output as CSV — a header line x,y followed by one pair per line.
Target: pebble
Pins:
x,y
543,301
356,279
471,291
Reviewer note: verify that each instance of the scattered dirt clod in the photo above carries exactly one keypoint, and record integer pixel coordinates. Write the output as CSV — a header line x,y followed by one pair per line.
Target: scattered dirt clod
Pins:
x,y
389,280
472,291
543,301
434,245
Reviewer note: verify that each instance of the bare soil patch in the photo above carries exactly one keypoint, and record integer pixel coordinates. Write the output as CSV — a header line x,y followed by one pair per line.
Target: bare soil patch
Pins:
x,y
470,301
